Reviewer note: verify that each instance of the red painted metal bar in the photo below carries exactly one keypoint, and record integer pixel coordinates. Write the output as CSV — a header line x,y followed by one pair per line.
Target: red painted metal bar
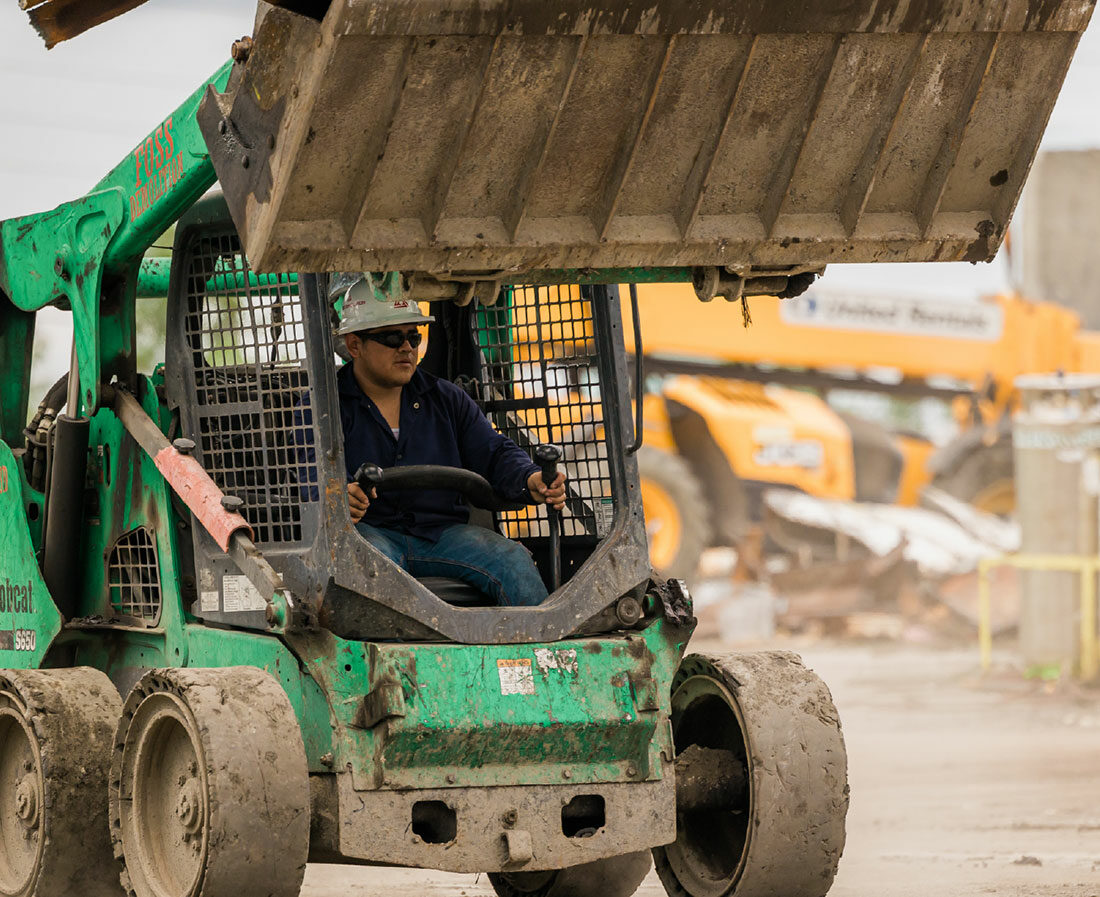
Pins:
x,y
183,473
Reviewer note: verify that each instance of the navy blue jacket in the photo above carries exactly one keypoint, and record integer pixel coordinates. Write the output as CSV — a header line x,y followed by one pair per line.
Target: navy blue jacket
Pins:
x,y
439,424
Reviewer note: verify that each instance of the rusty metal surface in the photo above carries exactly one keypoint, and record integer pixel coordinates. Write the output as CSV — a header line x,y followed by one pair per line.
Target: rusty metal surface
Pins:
x,y
469,136
59,20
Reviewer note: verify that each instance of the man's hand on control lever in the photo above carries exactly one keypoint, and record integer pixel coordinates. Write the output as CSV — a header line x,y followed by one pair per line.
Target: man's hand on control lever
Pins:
x,y
359,501
554,494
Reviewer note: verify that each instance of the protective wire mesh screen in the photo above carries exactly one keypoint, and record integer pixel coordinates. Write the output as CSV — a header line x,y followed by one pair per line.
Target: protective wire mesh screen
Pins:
x,y
540,383
133,579
254,413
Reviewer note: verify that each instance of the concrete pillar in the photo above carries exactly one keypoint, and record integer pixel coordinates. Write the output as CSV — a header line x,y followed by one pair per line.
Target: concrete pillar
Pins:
x,y
1057,232
1056,436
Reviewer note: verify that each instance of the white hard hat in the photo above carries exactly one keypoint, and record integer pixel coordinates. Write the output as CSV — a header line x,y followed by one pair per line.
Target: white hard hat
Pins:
x,y
364,311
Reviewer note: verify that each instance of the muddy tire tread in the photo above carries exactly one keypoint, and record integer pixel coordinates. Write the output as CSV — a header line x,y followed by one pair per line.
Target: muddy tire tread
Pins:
x,y
73,714
798,775
256,774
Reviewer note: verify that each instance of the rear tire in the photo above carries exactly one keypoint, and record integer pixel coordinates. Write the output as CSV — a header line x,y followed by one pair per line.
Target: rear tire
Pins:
x,y
614,877
985,478
676,513
56,731
209,786
786,833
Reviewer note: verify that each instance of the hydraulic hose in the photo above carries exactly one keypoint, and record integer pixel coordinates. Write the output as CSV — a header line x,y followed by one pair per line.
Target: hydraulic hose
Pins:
x,y
37,433
64,523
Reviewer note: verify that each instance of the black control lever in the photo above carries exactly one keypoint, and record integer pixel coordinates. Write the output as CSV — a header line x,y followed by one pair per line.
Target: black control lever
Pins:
x,y
547,457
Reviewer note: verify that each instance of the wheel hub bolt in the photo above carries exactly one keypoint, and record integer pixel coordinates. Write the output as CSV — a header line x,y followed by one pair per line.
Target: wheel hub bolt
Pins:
x,y
26,802
189,807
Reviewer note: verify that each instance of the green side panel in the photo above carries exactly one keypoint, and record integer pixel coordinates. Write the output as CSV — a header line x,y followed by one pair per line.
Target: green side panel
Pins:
x,y
16,351
436,716
130,508
29,620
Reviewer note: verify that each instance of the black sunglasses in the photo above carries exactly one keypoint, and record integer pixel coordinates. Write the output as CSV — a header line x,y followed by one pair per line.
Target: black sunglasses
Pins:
x,y
395,339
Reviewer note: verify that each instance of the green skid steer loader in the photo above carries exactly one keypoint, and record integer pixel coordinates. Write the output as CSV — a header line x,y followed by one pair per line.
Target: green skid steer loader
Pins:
x,y
209,677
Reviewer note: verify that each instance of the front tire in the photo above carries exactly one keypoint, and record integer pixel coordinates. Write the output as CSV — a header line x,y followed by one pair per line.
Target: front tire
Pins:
x,y
985,478
785,834
209,786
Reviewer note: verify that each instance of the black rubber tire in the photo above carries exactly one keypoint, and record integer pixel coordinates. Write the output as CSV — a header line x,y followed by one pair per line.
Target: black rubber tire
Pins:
x,y
876,460
614,877
787,834
209,787
674,476
984,477
56,732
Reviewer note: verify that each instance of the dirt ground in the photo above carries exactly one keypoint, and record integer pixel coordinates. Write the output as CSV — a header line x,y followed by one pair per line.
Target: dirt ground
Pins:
x,y
962,784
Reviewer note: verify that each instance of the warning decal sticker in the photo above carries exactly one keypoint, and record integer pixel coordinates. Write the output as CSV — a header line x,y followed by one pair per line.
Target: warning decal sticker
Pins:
x,y
564,659
516,676
239,594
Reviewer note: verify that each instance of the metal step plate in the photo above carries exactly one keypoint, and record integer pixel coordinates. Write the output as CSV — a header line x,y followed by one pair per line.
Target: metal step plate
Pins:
x,y
466,135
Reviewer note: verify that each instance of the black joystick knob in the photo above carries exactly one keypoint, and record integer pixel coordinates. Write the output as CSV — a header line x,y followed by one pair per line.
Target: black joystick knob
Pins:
x,y
369,476
547,457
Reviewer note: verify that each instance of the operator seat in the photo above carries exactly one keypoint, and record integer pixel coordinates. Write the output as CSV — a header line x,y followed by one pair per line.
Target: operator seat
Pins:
x,y
455,592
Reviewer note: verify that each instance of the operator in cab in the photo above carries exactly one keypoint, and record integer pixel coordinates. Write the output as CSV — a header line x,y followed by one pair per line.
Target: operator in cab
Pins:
x,y
396,415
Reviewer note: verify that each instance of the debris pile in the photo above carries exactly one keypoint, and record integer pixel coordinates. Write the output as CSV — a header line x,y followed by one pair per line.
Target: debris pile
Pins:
x,y
859,569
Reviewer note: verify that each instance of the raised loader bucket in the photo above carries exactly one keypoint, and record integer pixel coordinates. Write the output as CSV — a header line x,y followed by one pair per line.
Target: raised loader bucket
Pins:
x,y
484,135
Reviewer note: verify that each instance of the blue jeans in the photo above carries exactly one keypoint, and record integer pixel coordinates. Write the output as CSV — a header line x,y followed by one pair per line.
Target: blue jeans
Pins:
x,y
497,566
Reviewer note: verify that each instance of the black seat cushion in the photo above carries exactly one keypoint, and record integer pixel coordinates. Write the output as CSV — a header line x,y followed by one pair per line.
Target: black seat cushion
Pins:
x,y
456,592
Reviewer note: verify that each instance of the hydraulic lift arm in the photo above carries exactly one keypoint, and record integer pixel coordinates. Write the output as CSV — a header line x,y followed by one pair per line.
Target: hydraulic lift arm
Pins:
x,y
85,252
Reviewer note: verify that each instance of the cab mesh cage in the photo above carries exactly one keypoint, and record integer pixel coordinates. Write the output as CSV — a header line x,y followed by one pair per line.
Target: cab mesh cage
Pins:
x,y
133,578
540,383
253,402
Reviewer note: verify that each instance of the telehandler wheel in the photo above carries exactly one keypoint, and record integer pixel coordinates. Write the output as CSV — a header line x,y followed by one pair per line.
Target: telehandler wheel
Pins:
x,y
614,877
985,477
209,787
56,731
779,827
677,515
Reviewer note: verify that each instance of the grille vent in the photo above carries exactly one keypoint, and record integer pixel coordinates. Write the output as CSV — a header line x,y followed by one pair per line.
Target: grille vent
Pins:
x,y
133,576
